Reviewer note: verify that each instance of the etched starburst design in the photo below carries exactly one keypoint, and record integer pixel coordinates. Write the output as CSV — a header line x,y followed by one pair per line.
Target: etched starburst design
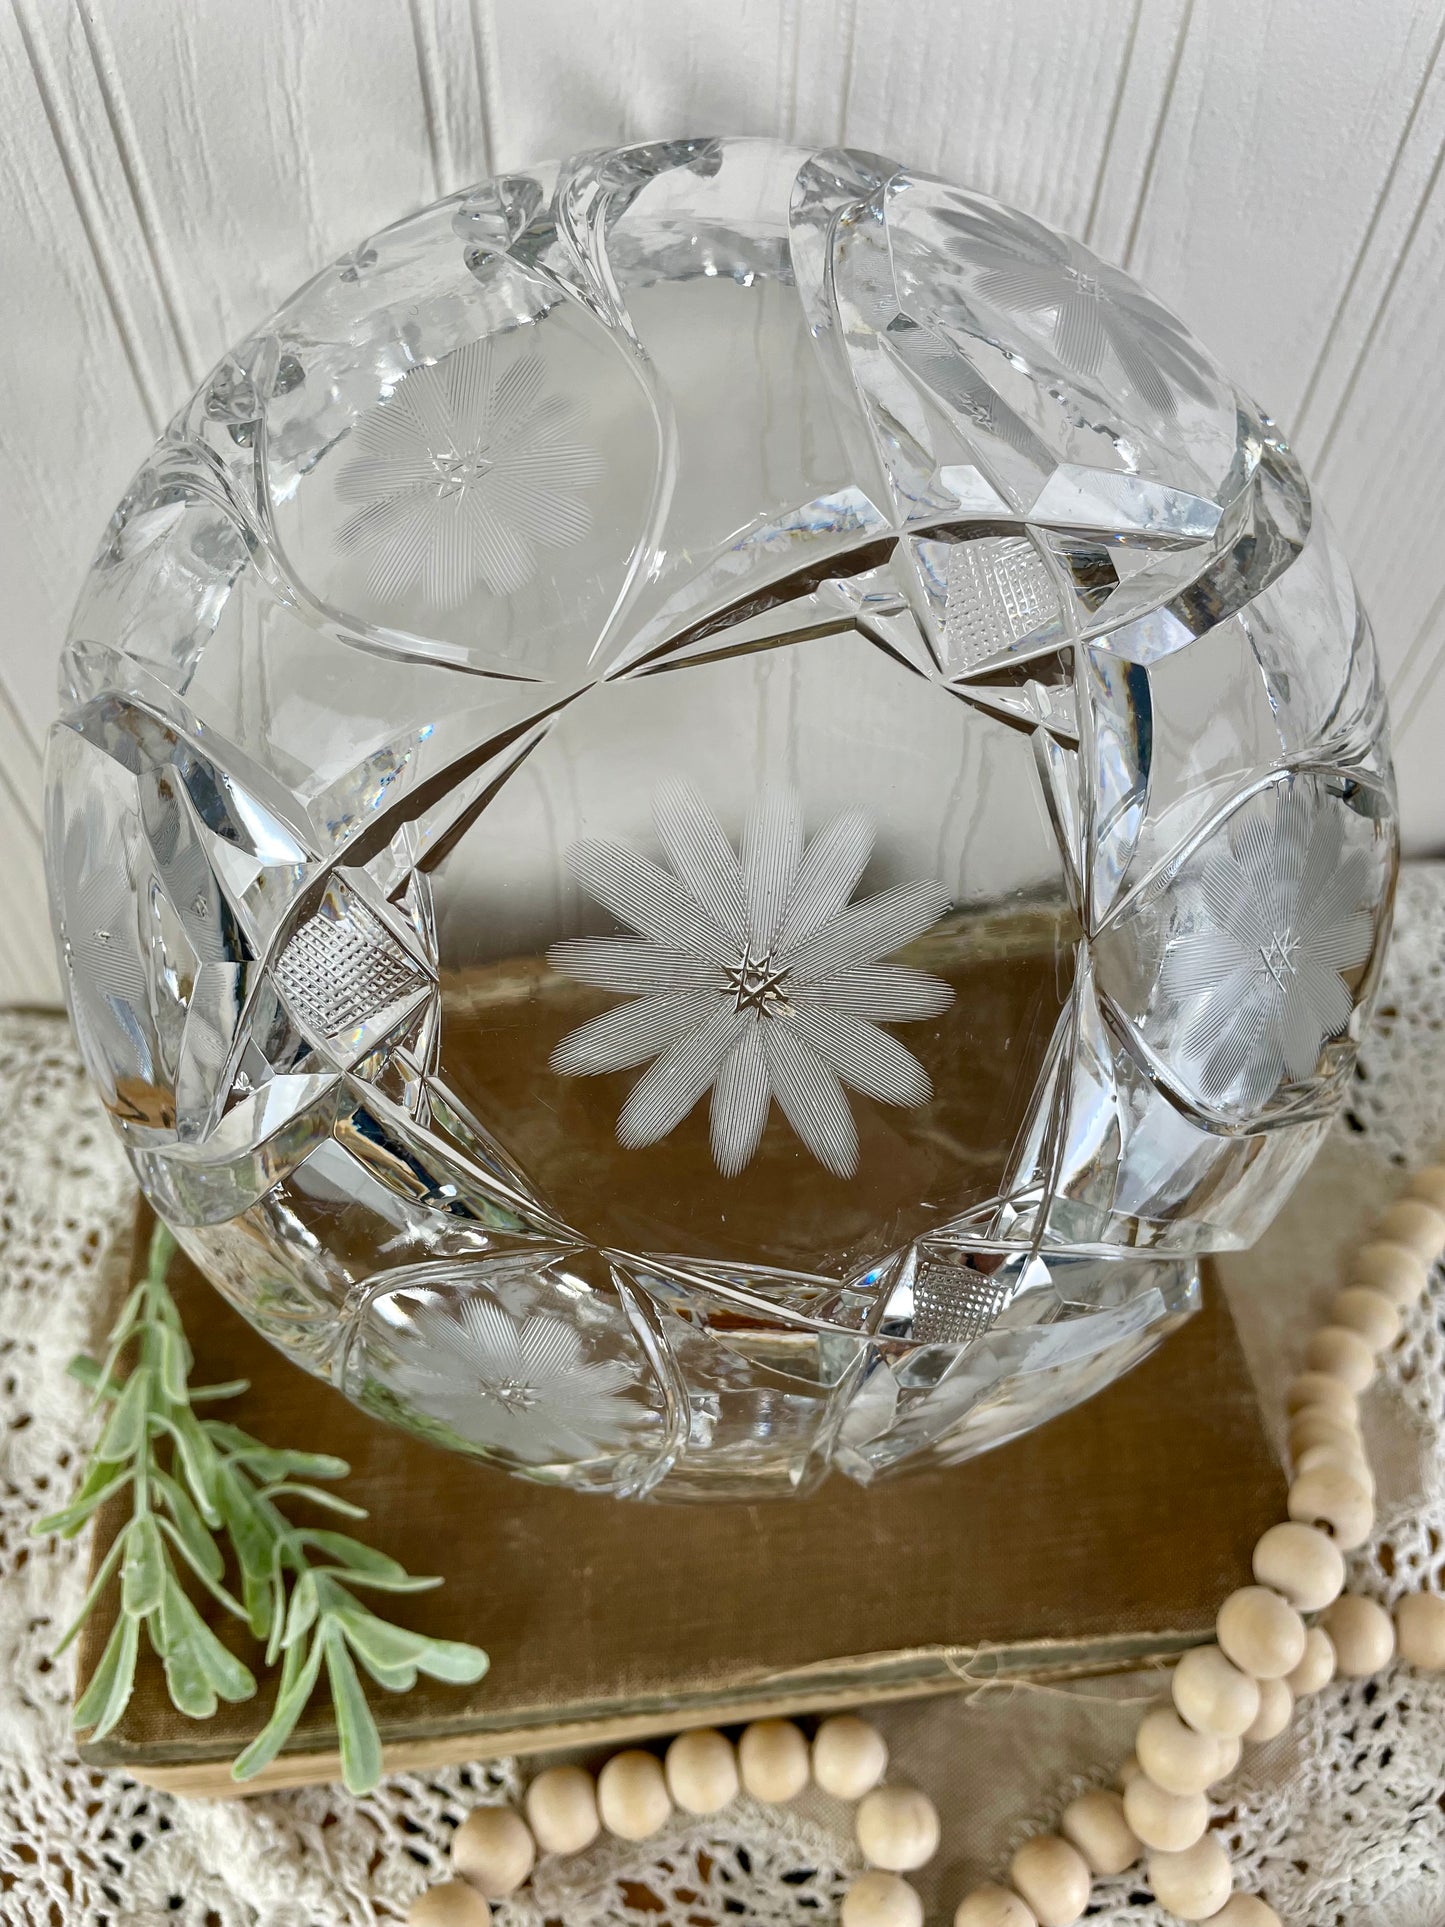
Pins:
x,y
753,975
1274,916
520,1386
463,475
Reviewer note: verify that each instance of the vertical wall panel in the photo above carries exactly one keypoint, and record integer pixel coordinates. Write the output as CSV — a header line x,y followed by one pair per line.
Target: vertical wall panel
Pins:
x,y
172,170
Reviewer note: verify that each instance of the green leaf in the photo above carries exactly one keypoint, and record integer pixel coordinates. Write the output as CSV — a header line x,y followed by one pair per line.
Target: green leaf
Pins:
x,y
393,1647
175,1363
301,1613
102,1482
121,1333
270,1462
104,1700
299,1670
331,1501
198,1667
355,1728
351,1553
199,1465
162,1250
231,1388
125,1429
93,1591
213,1586
143,1572
201,1549
378,1581
254,1543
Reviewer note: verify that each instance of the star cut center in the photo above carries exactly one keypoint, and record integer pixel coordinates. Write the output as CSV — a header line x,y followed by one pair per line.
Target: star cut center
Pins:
x,y
758,984
1279,958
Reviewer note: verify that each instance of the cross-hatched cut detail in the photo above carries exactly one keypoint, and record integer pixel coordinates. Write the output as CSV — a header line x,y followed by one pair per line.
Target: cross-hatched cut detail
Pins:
x,y
952,1304
998,590
343,967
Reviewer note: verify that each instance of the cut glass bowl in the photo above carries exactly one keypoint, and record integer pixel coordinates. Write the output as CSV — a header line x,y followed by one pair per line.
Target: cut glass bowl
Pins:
x,y
713,810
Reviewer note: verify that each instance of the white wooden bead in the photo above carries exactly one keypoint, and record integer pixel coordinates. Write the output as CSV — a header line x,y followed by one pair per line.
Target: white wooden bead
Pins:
x,y
1416,1225
1347,1459
1428,1184
1260,1632
452,1904
1327,1495
773,1761
1212,1695
1276,1707
562,1809
1362,1633
702,1771
1317,1668
1053,1878
1128,1772
494,1849
1391,1269
897,1828
992,1906
1342,1354
1315,1426
1334,1496
1317,1388
1370,1313
1246,1910
1167,1821
1420,1628
632,1797
1193,1884
1177,1758
850,1757
881,1900
1095,1824
1301,1563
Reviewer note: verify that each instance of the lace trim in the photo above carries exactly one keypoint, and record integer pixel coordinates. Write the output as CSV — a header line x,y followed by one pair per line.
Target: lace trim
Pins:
x,y
1339,1821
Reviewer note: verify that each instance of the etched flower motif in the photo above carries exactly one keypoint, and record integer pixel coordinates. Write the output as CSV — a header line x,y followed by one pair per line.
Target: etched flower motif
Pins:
x,y
1274,915
519,1386
463,474
754,976
1094,309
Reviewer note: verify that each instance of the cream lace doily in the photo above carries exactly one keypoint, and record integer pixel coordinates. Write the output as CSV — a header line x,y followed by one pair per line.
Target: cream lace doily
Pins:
x,y
1341,1821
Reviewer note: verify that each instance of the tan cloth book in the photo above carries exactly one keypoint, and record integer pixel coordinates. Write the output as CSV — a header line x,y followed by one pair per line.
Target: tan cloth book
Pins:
x,y
1099,1541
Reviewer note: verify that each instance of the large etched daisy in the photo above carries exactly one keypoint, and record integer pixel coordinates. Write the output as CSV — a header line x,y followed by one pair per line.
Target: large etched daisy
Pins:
x,y
463,474
1092,310
519,1386
1276,913
752,975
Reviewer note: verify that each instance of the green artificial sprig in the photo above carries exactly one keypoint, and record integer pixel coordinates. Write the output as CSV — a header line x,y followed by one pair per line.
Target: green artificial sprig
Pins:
x,y
192,1480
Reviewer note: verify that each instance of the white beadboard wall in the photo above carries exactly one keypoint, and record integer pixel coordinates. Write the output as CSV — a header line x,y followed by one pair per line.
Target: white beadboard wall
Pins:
x,y
172,168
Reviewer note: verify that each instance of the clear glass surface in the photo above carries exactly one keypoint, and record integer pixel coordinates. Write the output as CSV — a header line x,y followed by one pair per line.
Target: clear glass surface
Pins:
x,y
713,809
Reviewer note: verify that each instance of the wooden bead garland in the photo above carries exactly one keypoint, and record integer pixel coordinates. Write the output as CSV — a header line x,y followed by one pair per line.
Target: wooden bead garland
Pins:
x,y
701,1769
881,1900
1095,1823
773,1761
1300,1563
1362,1633
561,1806
897,1828
632,1795
1245,1685
494,1850
1053,1879
1420,1630
850,1757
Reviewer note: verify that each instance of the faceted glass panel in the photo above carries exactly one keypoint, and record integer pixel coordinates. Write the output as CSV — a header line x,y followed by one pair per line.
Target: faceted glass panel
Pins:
x,y
711,811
